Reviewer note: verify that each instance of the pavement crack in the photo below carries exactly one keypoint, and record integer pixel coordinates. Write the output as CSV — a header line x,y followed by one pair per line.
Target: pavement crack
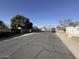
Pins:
x,y
38,54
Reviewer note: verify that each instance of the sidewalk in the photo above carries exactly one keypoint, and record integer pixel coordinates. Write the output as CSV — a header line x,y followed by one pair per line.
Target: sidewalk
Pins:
x,y
72,45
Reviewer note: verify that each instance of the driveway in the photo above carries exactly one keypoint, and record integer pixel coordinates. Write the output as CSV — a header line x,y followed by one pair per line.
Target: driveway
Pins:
x,y
42,45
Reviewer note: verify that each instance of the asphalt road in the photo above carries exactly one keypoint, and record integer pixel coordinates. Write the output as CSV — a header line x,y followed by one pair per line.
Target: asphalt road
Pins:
x,y
44,45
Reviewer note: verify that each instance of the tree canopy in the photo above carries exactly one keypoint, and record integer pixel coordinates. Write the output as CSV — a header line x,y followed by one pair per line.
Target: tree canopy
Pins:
x,y
66,22
76,24
20,21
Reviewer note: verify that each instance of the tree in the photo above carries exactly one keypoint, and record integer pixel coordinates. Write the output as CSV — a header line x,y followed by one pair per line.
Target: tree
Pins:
x,y
76,24
66,22
29,25
20,21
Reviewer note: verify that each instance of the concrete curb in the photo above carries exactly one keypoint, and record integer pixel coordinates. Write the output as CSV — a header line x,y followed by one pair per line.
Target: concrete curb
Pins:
x,y
23,35
71,45
19,36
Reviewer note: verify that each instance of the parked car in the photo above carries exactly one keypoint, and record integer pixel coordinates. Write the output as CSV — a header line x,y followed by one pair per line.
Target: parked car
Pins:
x,y
53,30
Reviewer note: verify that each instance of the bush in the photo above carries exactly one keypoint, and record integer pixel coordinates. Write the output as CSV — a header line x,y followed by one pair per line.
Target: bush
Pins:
x,y
6,34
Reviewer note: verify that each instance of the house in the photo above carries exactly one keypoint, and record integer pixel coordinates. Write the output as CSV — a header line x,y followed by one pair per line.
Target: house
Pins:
x,y
3,29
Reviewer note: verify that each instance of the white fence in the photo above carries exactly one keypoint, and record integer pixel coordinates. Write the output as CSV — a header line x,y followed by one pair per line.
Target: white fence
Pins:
x,y
72,31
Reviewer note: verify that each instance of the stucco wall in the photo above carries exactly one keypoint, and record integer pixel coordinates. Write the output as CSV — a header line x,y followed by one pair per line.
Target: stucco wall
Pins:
x,y
72,31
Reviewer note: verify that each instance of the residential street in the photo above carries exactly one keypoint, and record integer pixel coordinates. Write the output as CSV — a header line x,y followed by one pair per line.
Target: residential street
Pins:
x,y
42,45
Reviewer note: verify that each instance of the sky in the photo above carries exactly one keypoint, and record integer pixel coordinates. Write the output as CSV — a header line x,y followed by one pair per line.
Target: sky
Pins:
x,y
40,12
